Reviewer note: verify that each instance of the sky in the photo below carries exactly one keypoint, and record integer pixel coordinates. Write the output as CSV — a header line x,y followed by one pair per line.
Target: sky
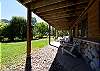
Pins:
x,y
9,8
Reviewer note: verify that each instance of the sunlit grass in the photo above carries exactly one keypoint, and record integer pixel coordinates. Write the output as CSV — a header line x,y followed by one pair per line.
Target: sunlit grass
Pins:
x,y
0,52
12,52
39,43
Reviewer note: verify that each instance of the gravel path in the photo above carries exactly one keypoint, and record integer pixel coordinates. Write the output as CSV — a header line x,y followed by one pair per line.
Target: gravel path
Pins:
x,y
41,60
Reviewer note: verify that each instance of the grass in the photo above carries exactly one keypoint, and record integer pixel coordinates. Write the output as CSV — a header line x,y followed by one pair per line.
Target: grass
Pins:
x,y
39,43
12,52
0,52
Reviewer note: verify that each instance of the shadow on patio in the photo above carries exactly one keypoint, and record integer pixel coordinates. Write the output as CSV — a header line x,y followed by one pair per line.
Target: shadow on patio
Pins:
x,y
65,62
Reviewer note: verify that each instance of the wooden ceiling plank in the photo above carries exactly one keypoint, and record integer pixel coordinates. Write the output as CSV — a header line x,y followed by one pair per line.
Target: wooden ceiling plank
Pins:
x,y
59,7
59,17
56,12
61,12
48,3
53,6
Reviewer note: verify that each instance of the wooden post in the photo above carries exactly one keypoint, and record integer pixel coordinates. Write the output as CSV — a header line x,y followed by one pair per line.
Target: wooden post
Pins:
x,y
70,32
76,31
73,31
29,37
49,35
29,31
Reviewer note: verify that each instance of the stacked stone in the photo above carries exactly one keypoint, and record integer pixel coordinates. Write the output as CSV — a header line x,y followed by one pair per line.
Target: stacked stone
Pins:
x,y
90,52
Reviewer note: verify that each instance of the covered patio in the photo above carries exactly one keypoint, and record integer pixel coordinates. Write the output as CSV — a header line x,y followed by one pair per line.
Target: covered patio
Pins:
x,y
81,18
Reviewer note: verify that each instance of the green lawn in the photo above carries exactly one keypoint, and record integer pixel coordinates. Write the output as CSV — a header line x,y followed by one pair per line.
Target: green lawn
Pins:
x,y
12,52
0,52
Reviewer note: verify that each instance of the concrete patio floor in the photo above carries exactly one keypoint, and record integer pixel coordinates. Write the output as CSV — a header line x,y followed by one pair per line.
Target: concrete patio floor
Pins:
x,y
65,62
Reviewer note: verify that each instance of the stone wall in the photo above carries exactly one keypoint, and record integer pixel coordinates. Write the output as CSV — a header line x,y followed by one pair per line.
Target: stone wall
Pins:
x,y
90,52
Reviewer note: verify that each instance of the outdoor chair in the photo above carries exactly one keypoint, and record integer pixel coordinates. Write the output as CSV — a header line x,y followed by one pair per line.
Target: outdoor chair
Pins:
x,y
69,48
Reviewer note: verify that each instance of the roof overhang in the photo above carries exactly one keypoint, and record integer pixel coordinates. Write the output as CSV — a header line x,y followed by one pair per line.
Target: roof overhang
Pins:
x,y
60,14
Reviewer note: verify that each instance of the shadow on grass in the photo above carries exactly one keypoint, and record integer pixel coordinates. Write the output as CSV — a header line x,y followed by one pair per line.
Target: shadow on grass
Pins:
x,y
9,41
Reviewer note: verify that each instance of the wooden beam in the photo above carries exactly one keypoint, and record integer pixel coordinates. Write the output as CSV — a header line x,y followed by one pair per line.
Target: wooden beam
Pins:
x,y
53,11
61,24
44,3
52,24
57,18
52,8
83,12
27,1
24,1
61,12
67,21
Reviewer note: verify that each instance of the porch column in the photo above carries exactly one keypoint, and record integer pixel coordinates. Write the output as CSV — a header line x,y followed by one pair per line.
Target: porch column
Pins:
x,y
70,32
49,34
73,31
29,31
76,31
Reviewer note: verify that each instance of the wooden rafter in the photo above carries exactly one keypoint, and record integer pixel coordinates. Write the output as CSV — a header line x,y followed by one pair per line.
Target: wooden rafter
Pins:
x,y
48,4
59,7
57,11
61,12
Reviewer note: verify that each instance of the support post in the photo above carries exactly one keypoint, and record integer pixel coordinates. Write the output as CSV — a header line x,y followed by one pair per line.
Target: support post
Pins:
x,y
29,37
29,32
70,32
76,31
73,31
49,34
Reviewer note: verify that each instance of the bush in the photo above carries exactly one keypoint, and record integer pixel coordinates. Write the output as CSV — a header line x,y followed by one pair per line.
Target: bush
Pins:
x,y
1,38
39,36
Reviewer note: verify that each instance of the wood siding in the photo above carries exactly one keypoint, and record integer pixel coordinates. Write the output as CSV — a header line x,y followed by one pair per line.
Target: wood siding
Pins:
x,y
93,23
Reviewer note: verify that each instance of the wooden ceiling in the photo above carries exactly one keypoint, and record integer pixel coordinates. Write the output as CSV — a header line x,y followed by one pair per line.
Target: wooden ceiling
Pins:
x,y
60,14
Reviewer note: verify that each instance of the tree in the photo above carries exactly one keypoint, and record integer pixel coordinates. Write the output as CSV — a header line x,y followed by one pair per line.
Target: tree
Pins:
x,y
2,26
34,21
16,28
19,25
40,29
5,21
